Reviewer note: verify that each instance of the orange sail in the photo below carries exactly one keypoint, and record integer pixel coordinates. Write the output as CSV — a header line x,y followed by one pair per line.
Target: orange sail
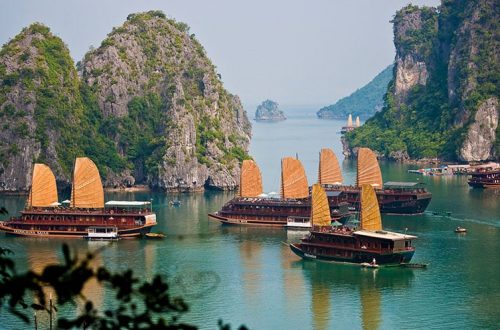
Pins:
x,y
293,179
369,213
349,121
320,209
368,169
358,123
250,179
329,169
87,191
43,190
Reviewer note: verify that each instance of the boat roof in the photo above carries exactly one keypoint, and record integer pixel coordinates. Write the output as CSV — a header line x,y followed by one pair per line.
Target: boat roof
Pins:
x,y
404,184
384,234
127,203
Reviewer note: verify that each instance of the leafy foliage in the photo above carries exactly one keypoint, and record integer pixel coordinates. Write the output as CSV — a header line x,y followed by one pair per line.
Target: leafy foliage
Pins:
x,y
141,304
430,122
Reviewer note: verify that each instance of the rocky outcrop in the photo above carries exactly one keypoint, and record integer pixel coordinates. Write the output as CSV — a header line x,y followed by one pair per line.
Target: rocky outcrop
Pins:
x,y
41,109
414,28
203,130
479,142
442,101
269,111
147,106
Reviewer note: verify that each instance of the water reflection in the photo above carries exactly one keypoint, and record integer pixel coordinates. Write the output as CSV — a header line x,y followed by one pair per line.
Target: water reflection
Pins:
x,y
326,279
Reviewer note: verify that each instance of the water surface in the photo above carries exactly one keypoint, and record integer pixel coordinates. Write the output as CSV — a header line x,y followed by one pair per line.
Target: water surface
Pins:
x,y
247,276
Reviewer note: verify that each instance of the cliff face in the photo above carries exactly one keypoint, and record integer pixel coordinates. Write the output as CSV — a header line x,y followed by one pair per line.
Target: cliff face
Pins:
x,y
443,99
148,108
269,110
197,131
40,107
364,102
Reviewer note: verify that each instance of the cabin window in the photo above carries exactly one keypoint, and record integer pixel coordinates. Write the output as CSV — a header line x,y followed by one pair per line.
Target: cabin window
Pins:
x,y
385,245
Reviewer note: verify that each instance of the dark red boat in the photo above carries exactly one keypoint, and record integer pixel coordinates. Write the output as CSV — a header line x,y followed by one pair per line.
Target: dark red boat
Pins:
x,y
44,216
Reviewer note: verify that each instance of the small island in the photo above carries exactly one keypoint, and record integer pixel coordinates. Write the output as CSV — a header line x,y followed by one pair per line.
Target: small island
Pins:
x,y
269,111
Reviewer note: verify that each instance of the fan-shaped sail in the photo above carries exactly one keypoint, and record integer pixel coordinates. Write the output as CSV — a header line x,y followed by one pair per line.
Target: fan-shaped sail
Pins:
x,y
358,123
250,179
320,209
87,191
43,190
329,169
369,213
349,121
293,179
368,169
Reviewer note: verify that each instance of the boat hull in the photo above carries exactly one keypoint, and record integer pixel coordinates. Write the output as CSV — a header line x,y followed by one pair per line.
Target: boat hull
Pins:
x,y
358,257
407,207
257,222
122,233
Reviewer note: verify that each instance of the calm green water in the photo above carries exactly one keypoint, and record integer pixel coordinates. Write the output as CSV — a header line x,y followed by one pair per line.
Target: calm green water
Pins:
x,y
246,276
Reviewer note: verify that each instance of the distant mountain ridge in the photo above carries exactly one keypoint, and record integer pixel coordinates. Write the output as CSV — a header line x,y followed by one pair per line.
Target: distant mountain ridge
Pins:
x,y
364,102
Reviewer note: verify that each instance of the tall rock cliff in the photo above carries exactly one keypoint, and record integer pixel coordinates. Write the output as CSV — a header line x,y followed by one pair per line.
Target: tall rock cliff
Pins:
x,y
443,99
41,109
167,108
147,106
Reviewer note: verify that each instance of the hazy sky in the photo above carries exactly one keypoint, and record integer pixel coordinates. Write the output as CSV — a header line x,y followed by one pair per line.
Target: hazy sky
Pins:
x,y
296,52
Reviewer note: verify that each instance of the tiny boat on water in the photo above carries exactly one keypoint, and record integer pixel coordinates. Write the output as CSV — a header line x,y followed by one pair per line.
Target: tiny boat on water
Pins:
x,y
154,236
460,230
369,265
175,203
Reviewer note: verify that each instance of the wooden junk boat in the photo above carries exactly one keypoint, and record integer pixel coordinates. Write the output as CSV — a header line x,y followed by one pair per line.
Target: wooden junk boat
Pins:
x,y
44,217
344,244
393,197
293,209
485,178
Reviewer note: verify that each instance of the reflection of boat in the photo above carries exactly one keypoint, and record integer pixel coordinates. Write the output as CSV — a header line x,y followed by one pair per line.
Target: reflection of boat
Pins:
x,y
44,217
293,206
344,244
154,236
393,197
460,230
102,233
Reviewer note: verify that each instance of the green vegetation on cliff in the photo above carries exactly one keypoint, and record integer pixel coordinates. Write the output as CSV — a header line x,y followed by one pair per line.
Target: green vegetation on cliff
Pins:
x,y
451,55
148,107
364,102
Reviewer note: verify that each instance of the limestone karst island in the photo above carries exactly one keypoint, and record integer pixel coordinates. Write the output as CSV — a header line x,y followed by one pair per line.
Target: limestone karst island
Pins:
x,y
269,111
249,165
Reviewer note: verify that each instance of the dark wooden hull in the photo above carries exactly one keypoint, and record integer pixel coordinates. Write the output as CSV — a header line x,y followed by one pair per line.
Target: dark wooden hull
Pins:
x,y
483,185
123,232
358,257
390,201
405,207
255,222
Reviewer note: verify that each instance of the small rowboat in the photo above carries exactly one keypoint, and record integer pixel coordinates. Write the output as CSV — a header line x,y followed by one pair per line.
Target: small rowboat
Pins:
x,y
460,230
154,236
369,265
